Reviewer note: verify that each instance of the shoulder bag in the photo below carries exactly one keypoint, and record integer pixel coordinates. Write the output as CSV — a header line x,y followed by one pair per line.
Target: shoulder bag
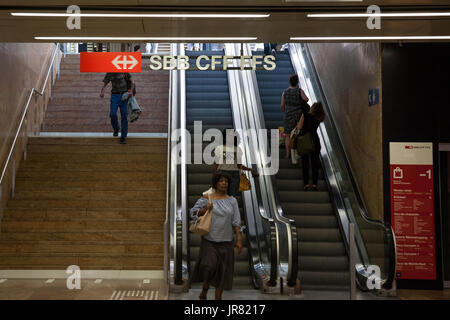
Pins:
x,y
202,224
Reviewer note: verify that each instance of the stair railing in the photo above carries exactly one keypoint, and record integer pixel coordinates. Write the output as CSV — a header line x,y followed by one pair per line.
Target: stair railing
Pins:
x,y
11,160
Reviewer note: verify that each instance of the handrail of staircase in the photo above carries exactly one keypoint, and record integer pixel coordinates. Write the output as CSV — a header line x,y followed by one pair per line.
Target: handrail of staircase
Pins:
x,y
265,237
288,231
387,228
33,91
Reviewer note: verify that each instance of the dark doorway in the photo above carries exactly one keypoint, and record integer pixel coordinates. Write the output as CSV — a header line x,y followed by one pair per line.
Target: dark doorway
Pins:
x,y
444,167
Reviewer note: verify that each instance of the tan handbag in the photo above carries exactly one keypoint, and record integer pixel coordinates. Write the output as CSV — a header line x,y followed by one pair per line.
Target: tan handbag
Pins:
x,y
244,183
201,225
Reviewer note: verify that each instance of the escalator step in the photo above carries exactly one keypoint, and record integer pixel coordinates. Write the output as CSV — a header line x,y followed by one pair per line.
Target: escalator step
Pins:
x,y
324,278
288,184
321,235
210,87
321,249
326,263
304,196
308,209
315,221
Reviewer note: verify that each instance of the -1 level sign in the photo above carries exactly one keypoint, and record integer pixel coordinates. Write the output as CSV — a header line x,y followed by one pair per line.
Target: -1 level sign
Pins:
x,y
412,209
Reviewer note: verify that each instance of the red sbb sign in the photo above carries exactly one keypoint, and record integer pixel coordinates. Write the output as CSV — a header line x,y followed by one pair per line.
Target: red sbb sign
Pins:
x,y
111,62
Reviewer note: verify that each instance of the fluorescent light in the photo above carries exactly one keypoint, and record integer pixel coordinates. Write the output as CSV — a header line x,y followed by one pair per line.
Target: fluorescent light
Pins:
x,y
371,38
138,15
386,15
150,38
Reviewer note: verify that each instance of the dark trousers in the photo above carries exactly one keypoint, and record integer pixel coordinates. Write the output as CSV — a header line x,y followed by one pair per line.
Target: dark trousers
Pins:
x,y
116,102
315,163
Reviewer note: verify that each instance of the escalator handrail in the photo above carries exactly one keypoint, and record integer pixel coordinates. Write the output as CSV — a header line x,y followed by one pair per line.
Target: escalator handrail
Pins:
x,y
388,230
177,172
239,107
272,191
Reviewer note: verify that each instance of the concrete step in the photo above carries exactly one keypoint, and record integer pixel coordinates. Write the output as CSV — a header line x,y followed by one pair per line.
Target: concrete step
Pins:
x,y
84,261
126,195
154,213
79,247
82,204
94,185
79,225
85,235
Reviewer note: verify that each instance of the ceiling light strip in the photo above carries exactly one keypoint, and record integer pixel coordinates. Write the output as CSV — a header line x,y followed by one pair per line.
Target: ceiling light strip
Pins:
x,y
150,38
130,15
381,15
370,38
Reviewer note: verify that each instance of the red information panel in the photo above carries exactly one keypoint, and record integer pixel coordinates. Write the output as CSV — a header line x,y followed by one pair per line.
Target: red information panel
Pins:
x,y
110,62
412,209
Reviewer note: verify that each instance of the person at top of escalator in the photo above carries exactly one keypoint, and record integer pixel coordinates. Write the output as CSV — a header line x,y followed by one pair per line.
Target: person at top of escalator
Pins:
x,y
215,262
294,102
228,160
309,122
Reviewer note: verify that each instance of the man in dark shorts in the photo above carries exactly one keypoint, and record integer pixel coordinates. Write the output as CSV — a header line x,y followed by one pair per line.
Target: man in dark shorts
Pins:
x,y
121,83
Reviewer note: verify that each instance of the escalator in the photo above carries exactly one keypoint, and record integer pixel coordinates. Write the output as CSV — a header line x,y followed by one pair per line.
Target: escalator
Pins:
x,y
323,259
213,99
208,101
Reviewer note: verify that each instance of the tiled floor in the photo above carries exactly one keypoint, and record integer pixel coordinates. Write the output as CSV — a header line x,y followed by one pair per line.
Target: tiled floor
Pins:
x,y
257,295
138,289
423,294
107,289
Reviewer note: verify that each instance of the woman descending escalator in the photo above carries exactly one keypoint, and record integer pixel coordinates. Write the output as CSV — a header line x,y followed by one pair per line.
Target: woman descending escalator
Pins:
x,y
309,122
293,104
228,160
215,263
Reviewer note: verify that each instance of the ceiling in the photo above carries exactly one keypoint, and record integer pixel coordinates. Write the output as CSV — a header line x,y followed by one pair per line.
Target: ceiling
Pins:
x,y
287,19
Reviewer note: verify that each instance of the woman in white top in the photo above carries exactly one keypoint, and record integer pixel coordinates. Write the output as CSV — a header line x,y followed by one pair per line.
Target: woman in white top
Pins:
x,y
228,161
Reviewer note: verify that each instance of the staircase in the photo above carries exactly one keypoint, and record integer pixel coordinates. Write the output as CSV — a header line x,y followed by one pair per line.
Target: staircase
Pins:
x,y
88,202
76,105
208,100
323,261
163,49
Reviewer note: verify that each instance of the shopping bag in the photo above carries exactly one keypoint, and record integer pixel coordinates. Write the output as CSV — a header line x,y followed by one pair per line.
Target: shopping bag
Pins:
x,y
244,183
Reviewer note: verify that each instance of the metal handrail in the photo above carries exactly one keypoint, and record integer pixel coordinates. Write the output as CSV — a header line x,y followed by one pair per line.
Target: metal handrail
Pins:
x,y
33,90
288,225
389,233
240,106
178,242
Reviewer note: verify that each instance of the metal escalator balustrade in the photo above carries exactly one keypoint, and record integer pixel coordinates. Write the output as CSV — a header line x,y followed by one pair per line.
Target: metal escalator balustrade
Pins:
x,y
375,239
322,256
263,232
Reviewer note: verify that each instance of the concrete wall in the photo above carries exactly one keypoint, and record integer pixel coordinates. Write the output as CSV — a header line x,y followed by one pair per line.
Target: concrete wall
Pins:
x,y
24,65
347,72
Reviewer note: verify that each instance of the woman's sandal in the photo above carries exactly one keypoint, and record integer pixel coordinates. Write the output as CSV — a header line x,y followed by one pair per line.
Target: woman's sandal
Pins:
x,y
306,187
